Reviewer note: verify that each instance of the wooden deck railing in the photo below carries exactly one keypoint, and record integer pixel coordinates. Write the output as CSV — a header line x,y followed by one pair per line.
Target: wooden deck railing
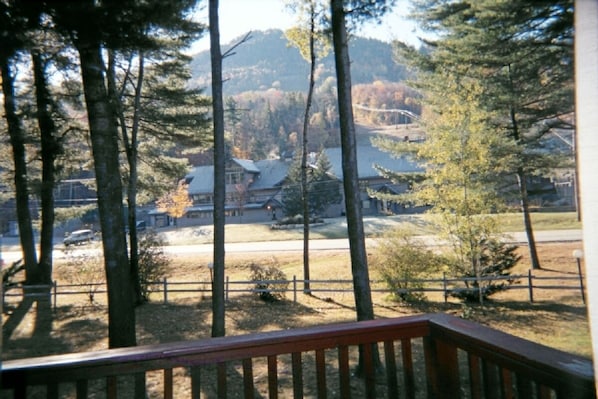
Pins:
x,y
433,356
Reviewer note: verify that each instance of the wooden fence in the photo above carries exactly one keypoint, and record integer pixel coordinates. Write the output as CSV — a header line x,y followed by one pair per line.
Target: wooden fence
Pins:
x,y
445,286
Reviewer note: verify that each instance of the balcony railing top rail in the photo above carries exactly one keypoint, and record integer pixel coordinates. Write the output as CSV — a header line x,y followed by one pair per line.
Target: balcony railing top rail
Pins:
x,y
441,356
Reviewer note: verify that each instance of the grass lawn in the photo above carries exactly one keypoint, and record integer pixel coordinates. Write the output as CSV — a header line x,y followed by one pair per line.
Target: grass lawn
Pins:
x,y
557,318
373,226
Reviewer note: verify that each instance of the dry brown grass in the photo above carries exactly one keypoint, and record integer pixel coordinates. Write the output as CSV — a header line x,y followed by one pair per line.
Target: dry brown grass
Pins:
x,y
557,318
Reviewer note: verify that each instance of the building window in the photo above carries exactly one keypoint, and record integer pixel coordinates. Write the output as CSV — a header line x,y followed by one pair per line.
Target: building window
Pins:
x,y
202,199
234,177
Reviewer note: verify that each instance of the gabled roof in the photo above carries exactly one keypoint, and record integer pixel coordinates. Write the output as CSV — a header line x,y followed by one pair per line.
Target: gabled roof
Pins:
x,y
201,180
367,157
272,174
247,164
269,173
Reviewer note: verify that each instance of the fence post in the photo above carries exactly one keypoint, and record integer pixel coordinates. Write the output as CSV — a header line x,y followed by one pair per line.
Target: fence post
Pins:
x,y
444,287
165,288
578,254
55,288
294,288
530,286
226,288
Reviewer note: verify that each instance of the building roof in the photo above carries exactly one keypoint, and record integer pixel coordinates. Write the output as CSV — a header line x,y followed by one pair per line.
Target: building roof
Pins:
x,y
369,156
247,164
272,174
201,180
269,173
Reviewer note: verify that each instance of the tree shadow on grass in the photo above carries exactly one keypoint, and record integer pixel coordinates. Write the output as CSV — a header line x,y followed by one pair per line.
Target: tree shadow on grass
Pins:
x,y
525,315
16,316
250,313
173,321
72,335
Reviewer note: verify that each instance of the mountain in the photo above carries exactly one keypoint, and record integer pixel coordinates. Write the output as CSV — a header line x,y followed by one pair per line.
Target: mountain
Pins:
x,y
267,61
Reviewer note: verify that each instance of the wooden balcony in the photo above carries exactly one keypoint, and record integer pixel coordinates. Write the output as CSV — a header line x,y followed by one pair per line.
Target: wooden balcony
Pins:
x,y
427,356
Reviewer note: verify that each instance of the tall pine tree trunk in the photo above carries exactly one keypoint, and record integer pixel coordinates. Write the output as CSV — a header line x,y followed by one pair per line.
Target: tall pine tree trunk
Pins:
x,y
17,141
359,266
130,143
523,196
218,311
104,141
527,220
304,149
50,148
132,187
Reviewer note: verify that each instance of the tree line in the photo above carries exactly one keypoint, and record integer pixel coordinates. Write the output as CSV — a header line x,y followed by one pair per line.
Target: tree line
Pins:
x,y
266,124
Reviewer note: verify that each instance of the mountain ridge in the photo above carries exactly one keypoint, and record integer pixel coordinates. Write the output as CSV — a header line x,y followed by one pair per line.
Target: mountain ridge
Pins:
x,y
267,60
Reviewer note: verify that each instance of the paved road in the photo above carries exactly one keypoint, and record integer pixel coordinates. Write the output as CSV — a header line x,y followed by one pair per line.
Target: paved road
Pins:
x,y
336,244
314,245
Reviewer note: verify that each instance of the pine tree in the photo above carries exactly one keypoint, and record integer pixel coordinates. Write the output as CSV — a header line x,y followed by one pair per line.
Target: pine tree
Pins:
x,y
324,187
218,304
521,53
94,27
14,27
157,114
462,156
292,204
358,10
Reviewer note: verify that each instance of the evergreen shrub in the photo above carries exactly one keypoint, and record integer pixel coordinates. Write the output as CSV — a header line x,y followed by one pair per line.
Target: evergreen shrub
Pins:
x,y
270,282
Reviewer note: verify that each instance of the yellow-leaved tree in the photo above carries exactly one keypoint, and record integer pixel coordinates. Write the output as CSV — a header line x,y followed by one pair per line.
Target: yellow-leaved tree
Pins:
x,y
175,203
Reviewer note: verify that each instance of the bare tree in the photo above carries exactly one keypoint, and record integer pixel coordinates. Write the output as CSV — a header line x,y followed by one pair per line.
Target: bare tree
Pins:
x,y
305,40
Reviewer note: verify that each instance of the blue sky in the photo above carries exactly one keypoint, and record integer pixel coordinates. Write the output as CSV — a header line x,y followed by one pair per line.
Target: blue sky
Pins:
x,y
240,16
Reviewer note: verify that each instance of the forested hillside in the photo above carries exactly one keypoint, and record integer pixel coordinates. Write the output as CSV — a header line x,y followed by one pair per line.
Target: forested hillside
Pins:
x,y
265,86
267,61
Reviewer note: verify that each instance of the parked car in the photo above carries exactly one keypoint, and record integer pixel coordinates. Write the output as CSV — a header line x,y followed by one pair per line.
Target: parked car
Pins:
x,y
78,237
140,226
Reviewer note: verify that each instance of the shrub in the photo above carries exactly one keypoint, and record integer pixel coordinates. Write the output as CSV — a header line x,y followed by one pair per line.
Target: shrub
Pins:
x,y
496,260
86,270
401,261
297,219
270,282
152,261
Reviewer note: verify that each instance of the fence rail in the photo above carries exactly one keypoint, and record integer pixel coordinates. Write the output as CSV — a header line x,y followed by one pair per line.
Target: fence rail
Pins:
x,y
446,286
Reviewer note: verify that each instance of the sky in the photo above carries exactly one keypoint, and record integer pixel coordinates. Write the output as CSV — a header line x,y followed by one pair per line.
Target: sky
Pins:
x,y
238,17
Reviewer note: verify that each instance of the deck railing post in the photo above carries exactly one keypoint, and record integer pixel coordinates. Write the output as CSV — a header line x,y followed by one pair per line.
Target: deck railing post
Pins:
x,y
442,368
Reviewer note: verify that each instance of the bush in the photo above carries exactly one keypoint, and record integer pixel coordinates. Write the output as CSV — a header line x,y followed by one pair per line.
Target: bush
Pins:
x,y
87,271
297,219
270,282
401,260
152,261
496,260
